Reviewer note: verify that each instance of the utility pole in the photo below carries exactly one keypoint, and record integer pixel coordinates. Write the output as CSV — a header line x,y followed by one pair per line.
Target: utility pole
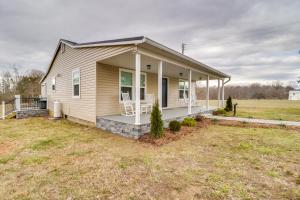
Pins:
x,y
182,47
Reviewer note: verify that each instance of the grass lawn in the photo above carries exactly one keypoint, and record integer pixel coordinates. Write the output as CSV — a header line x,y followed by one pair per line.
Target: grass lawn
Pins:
x,y
269,109
43,159
266,109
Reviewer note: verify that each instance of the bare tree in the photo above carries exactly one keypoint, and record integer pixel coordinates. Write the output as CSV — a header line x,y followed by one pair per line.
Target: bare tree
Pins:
x,y
26,85
254,91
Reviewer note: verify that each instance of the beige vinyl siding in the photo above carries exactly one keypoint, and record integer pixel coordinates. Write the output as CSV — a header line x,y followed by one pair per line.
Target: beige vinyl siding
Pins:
x,y
84,59
108,90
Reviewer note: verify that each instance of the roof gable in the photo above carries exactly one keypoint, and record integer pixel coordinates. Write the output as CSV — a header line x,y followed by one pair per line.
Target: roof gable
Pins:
x,y
131,41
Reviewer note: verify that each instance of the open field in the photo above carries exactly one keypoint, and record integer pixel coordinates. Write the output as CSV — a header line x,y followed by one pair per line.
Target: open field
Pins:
x,y
267,109
43,159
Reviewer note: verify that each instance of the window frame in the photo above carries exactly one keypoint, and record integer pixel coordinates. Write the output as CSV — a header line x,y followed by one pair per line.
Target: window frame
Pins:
x,y
53,80
133,83
79,95
184,88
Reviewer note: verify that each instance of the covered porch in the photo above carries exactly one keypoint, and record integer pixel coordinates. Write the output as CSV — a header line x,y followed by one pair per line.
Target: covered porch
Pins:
x,y
126,126
171,77
167,114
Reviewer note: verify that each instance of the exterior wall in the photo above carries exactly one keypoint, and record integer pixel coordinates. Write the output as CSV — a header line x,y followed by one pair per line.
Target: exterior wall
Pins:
x,y
107,90
294,95
107,100
84,59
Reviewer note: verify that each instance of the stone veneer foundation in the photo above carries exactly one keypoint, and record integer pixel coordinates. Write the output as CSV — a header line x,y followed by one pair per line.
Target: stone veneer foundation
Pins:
x,y
131,130
31,113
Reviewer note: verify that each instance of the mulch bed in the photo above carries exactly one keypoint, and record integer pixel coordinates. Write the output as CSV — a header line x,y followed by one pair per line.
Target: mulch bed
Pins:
x,y
173,136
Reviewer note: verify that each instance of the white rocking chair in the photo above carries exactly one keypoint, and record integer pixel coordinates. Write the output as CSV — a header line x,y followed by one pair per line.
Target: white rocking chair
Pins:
x,y
128,105
193,96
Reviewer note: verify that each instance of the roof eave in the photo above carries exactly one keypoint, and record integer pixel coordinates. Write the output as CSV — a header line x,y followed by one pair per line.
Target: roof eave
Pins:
x,y
155,44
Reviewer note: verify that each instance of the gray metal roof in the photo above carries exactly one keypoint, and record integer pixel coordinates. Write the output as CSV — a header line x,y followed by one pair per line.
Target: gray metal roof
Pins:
x,y
130,39
133,40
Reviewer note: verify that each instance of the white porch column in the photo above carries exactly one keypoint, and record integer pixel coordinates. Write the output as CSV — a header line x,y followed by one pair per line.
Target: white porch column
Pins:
x,y
3,109
159,84
18,102
223,93
137,88
190,92
219,94
207,93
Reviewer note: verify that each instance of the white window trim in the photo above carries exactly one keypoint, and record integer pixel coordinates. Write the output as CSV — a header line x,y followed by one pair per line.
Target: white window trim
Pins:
x,y
73,71
184,89
53,78
133,83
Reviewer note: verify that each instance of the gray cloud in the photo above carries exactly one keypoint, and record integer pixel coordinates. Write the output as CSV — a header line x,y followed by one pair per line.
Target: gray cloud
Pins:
x,y
251,40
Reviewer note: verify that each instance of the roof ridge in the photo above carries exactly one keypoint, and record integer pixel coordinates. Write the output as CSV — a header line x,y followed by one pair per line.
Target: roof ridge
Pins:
x,y
113,40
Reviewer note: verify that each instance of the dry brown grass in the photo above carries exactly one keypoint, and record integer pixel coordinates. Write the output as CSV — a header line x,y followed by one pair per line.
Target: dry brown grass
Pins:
x,y
43,159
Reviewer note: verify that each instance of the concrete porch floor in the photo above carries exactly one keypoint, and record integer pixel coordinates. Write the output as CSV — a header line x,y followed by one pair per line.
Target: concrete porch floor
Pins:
x,y
167,114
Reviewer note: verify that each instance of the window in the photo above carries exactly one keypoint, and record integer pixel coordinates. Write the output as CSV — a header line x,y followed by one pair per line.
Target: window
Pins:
x,y
127,84
143,87
53,83
76,82
183,88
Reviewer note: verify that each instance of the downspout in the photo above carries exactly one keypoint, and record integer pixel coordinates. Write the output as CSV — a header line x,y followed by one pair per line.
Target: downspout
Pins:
x,y
223,90
229,78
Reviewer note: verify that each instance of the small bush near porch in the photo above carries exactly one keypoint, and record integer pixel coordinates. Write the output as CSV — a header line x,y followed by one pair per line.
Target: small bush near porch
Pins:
x,y
43,159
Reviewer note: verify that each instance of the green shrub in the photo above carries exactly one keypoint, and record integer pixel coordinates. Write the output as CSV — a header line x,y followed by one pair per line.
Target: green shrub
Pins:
x,y
219,112
229,104
189,122
157,130
199,118
175,126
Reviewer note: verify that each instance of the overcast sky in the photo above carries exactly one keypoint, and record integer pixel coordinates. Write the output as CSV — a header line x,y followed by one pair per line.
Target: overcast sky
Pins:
x,y
250,40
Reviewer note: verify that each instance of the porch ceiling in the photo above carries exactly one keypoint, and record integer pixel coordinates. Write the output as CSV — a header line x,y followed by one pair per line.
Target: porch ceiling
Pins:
x,y
127,60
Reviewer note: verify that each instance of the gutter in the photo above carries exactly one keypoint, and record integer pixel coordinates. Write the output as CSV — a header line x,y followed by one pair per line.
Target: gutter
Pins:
x,y
229,79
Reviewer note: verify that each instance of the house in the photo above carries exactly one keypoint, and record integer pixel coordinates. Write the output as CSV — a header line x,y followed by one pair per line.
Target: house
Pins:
x,y
88,79
294,95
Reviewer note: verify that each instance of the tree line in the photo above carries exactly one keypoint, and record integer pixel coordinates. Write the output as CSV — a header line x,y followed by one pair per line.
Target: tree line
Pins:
x,y
275,90
13,83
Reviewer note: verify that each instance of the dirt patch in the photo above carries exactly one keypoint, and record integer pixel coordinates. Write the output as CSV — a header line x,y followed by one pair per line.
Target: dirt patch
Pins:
x,y
6,147
170,136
